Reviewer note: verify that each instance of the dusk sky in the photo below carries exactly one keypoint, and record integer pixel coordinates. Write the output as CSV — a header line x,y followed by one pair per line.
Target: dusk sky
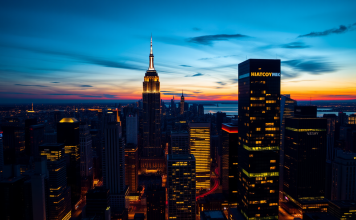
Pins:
x,y
90,50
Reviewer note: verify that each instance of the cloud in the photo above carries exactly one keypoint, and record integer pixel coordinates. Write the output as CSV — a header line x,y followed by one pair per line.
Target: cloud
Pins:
x,y
295,45
176,94
15,93
55,82
61,94
219,87
30,85
91,96
109,96
233,81
209,58
342,95
196,29
86,86
197,74
342,29
197,92
314,66
209,39
221,83
185,66
166,91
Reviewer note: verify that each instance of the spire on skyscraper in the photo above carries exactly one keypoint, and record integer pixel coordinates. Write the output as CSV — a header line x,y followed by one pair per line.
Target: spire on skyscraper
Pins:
x,y
151,67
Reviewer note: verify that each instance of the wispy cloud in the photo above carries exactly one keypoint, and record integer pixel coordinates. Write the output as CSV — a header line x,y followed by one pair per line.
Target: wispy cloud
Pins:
x,y
109,96
313,66
209,58
61,94
55,82
196,29
340,30
86,86
233,81
197,74
221,83
30,85
185,66
91,96
295,45
209,39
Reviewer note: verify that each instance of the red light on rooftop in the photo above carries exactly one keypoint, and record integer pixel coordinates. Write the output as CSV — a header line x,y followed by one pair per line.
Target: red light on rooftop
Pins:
x,y
230,129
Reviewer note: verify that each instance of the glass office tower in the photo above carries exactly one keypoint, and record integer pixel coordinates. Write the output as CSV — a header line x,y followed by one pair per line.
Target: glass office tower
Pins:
x,y
259,137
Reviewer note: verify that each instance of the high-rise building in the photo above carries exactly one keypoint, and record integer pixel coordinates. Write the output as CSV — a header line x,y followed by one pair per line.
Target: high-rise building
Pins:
x,y
287,111
331,122
131,129
151,112
173,107
36,138
343,178
305,161
86,158
182,104
201,110
114,166
1,156
13,140
40,188
156,202
181,187
180,142
59,198
97,202
259,122
200,148
131,167
229,171
68,133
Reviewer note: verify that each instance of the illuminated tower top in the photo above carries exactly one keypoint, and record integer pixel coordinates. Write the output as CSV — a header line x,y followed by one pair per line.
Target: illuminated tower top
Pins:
x,y
151,67
151,82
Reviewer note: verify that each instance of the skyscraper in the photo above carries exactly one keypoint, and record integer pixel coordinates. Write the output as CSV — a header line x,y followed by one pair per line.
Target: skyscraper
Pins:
x,y
259,121
182,104
156,202
131,129
181,186
86,158
114,165
229,174
1,156
68,134
180,142
131,167
305,160
151,112
59,202
200,148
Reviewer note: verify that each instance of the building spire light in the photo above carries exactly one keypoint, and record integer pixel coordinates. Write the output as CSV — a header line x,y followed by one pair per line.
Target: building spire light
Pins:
x,y
151,66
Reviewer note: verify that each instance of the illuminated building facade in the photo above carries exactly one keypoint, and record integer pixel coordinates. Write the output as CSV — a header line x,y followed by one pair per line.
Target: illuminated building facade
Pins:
x,y
181,187
114,166
68,134
151,112
200,148
305,161
180,142
59,198
343,176
182,104
352,119
229,169
131,167
287,111
259,137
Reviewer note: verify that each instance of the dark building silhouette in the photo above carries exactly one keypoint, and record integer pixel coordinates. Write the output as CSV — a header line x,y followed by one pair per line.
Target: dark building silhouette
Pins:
x,y
180,142
97,202
305,160
131,167
259,137
182,106
36,138
1,156
13,140
229,174
68,134
156,202
28,123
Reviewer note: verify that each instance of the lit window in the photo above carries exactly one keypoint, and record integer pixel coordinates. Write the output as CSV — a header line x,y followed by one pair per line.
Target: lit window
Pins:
x,y
272,168
258,129
272,161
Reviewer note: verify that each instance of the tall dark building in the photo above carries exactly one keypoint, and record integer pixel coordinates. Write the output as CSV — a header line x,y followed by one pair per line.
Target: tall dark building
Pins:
x,y
151,112
156,202
59,198
131,167
1,156
229,173
28,123
97,202
36,138
305,160
180,142
68,134
259,121
13,140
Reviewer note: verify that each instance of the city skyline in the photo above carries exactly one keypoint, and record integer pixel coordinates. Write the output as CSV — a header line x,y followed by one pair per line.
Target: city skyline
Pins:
x,y
98,52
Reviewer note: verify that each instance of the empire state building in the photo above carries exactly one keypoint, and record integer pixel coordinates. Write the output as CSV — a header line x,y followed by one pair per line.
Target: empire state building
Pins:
x,y
151,113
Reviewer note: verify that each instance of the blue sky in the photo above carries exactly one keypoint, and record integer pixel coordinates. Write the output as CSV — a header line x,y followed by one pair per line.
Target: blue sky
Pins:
x,y
89,50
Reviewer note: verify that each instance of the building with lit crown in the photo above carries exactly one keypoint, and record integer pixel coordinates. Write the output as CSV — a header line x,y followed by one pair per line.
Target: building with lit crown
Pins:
x,y
258,151
200,148
182,104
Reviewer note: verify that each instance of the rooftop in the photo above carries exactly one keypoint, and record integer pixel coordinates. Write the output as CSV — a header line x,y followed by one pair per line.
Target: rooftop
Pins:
x,y
68,120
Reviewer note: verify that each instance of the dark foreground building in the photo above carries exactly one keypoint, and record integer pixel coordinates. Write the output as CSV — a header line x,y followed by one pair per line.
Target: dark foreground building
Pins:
x,y
259,137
